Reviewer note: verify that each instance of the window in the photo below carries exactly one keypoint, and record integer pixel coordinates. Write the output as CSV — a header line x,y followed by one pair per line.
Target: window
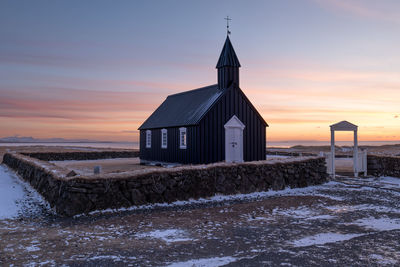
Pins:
x,y
164,138
182,138
148,139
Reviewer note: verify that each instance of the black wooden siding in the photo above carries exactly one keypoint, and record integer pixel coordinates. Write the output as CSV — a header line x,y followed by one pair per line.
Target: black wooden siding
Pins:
x,y
227,75
172,153
206,141
212,137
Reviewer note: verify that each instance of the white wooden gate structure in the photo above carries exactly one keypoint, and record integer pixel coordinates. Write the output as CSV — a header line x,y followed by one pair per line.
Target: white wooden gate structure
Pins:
x,y
359,157
362,162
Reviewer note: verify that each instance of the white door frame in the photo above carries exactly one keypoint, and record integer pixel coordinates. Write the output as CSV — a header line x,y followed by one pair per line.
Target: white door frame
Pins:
x,y
233,125
344,126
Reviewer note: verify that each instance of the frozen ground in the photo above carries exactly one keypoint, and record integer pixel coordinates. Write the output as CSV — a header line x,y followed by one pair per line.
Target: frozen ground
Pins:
x,y
11,192
17,197
347,222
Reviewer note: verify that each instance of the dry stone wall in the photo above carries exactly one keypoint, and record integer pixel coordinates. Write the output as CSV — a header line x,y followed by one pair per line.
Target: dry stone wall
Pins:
x,y
383,165
74,195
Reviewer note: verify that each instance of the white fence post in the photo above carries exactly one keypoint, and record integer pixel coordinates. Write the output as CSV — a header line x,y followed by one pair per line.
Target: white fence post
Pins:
x,y
365,159
362,161
328,161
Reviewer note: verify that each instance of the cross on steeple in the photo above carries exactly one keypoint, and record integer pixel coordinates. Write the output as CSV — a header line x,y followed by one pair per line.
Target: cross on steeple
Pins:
x,y
227,25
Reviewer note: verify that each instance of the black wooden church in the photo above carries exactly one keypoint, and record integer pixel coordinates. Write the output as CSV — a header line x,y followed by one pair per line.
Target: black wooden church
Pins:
x,y
209,124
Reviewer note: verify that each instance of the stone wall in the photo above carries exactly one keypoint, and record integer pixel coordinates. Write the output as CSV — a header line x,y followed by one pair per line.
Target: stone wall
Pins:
x,y
383,165
74,195
50,156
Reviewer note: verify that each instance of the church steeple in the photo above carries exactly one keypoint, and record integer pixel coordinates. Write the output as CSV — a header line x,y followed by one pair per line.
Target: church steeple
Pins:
x,y
228,66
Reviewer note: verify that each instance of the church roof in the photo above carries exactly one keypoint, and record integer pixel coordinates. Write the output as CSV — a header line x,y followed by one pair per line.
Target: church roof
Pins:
x,y
228,56
186,108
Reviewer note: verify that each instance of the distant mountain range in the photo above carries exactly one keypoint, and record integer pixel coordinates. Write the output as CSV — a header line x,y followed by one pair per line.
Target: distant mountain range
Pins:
x,y
22,139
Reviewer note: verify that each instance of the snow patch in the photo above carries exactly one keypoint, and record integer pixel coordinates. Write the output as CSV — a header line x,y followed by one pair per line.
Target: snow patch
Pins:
x,y
32,248
323,238
106,257
384,182
337,209
217,261
302,212
389,182
380,224
17,197
168,235
258,218
377,208
47,263
321,217
10,193
381,260
29,203
341,208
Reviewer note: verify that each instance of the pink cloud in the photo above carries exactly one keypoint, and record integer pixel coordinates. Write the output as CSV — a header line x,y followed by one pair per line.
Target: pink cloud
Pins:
x,y
74,60
374,10
74,103
327,75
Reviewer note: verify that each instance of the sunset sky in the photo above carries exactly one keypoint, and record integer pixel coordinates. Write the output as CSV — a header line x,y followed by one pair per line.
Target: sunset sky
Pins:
x,y
98,69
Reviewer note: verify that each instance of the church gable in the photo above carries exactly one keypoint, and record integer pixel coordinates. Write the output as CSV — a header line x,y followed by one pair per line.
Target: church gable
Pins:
x,y
252,107
230,106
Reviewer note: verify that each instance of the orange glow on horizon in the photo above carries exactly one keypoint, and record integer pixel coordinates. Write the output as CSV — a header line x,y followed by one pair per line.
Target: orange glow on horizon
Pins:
x,y
303,111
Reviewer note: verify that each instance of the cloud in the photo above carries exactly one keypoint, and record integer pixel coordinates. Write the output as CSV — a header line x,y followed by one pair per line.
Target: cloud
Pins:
x,y
295,121
379,10
326,75
75,104
44,60
39,81
128,131
83,59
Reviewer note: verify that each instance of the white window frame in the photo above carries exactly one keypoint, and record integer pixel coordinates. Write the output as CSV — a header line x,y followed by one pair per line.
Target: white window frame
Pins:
x,y
148,139
182,142
164,131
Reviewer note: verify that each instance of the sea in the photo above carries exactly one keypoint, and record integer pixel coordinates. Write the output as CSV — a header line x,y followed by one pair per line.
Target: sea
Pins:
x,y
135,145
126,145
287,144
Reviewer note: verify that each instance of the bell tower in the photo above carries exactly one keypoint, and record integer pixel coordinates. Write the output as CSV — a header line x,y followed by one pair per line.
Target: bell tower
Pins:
x,y
228,66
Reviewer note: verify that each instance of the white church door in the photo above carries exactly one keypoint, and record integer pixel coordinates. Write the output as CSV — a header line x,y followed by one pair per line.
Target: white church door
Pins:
x,y
234,140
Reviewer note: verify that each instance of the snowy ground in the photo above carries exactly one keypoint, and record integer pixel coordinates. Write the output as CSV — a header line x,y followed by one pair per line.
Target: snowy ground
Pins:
x,y
11,192
347,222
17,198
